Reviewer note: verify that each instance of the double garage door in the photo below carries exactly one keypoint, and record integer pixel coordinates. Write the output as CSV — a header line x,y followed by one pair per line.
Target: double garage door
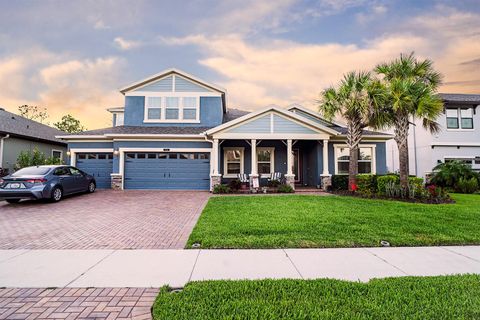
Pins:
x,y
98,165
167,170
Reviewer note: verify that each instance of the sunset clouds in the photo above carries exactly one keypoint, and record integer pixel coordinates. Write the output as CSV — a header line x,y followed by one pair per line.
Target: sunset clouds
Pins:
x,y
261,52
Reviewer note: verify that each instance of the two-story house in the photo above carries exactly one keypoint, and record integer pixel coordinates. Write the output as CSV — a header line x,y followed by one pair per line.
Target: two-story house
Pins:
x,y
458,138
176,132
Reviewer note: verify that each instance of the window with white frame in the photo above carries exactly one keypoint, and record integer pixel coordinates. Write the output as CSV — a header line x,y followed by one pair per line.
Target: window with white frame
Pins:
x,y
172,109
232,162
153,108
459,118
265,161
57,154
366,159
119,119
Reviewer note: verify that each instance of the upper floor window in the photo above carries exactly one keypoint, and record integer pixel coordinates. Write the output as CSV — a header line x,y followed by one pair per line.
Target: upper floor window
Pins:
x,y
366,160
172,109
459,118
119,119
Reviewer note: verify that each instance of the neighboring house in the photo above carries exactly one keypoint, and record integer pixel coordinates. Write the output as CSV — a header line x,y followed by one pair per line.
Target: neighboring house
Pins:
x,y
458,139
176,132
19,134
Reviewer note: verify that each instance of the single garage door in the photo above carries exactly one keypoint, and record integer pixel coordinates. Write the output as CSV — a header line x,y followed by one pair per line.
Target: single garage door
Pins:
x,y
167,170
99,165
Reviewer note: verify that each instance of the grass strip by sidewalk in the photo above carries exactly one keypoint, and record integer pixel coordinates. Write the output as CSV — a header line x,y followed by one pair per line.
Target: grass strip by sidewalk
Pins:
x,y
302,221
436,298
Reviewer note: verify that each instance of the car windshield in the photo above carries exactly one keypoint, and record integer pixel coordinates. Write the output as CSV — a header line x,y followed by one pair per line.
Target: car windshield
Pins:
x,y
31,171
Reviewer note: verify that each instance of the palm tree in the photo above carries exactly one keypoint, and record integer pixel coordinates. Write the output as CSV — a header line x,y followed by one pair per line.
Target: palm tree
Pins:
x,y
355,99
410,91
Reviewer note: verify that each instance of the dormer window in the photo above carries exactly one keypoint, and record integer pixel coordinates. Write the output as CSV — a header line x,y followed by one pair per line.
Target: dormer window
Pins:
x,y
172,108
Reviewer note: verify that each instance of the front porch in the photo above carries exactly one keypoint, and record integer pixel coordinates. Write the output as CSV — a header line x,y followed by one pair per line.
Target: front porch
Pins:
x,y
302,163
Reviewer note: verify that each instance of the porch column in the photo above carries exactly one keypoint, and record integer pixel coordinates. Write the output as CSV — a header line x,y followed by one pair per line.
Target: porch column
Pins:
x,y
254,182
215,176
326,178
290,177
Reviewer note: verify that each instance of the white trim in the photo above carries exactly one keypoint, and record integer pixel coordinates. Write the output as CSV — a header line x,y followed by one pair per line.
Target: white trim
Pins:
x,y
96,141
93,136
166,139
374,155
272,129
272,160
122,151
269,136
289,115
167,72
74,151
313,114
56,150
163,108
455,144
173,136
225,162
172,94
116,110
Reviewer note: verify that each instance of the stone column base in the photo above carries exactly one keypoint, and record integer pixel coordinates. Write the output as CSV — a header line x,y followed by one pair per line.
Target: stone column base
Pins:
x,y
326,181
290,180
215,180
116,181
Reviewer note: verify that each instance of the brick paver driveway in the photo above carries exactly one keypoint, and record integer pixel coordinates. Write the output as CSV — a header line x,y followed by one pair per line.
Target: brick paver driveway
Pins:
x,y
77,303
106,219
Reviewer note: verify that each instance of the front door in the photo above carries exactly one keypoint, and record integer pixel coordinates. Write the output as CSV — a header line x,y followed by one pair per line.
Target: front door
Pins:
x,y
297,167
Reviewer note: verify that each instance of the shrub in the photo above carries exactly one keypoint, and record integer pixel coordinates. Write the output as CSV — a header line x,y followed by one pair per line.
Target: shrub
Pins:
x,y
285,188
467,185
30,158
382,181
415,184
221,188
367,184
449,173
235,184
273,183
339,182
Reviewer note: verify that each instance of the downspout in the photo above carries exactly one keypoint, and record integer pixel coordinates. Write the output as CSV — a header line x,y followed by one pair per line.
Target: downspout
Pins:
x,y
1,149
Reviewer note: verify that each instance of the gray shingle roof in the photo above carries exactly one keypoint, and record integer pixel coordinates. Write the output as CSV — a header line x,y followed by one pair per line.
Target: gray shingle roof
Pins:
x,y
233,114
11,123
459,97
145,130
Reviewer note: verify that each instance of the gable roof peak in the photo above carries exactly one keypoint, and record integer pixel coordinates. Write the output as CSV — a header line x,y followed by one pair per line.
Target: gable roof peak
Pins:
x,y
166,73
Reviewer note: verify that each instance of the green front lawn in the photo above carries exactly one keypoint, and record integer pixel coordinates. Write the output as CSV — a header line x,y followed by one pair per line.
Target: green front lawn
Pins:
x,y
450,297
301,221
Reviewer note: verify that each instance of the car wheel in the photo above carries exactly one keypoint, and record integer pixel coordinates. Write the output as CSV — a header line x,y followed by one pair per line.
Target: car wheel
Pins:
x,y
13,200
57,194
91,187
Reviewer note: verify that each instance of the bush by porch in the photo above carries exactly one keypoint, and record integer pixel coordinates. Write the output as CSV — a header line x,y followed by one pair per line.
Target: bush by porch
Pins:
x,y
301,221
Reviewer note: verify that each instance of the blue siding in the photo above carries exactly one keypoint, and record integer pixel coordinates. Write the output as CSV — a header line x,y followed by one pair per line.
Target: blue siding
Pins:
x,y
162,144
162,85
260,125
114,121
211,113
89,145
282,125
184,85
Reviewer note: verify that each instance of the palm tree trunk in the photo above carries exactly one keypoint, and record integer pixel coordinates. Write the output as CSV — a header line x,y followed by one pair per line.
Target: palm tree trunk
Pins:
x,y
354,135
401,138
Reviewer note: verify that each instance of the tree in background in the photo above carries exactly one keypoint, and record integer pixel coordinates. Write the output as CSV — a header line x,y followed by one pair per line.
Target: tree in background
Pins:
x,y
357,99
33,113
410,90
69,124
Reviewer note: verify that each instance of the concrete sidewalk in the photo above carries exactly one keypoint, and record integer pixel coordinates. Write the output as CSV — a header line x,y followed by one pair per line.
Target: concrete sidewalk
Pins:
x,y
154,268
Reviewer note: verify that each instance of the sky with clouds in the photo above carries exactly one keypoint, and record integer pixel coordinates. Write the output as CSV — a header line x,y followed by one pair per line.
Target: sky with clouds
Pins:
x,y
72,56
